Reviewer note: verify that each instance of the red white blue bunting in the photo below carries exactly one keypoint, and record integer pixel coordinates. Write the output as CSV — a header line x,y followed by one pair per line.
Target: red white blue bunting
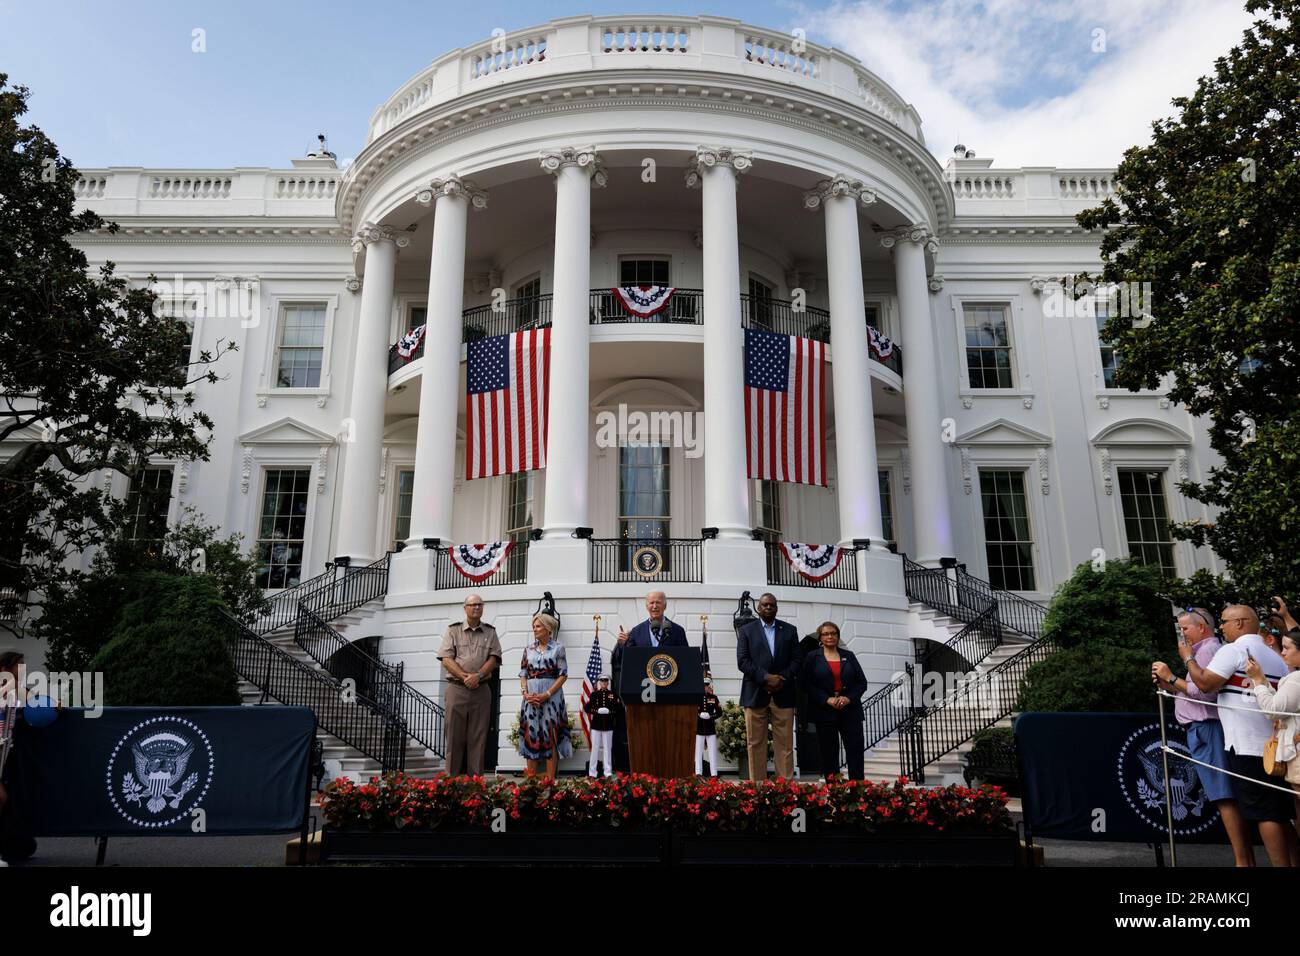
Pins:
x,y
409,342
812,561
478,562
880,343
643,301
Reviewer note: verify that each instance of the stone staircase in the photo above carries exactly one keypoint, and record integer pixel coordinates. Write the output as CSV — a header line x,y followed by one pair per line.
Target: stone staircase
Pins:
x,y
342,759
882,761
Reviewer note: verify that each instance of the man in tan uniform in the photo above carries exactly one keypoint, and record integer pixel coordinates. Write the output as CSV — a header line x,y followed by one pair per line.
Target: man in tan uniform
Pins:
x,y
470,652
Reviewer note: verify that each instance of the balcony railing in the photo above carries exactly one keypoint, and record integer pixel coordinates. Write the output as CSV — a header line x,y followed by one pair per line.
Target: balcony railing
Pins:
x,y
686,307
844,577
513,570
779,315
647,560
515,315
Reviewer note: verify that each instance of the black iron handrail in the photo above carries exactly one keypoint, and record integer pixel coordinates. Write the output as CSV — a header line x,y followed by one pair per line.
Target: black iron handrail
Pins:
x,y
931,732
335,592
779,572
512,315
685,307
513,570
1015,613
378,681
968,647
810,322
885,710
356,720
647,560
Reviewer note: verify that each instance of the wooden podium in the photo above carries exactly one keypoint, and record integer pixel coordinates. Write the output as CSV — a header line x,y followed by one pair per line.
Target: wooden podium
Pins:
x,y
661,731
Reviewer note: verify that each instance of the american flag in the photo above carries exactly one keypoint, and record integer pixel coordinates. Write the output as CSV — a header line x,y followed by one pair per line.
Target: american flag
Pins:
x,y
507,383
785,407
588,685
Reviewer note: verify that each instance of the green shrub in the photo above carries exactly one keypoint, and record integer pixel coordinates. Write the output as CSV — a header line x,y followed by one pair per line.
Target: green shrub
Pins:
x,y
1094,677
1119,605
988,759
78,618
169,647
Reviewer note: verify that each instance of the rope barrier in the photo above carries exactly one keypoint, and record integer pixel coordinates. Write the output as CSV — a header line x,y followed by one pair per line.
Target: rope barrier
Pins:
x,y
1211,703
1273,786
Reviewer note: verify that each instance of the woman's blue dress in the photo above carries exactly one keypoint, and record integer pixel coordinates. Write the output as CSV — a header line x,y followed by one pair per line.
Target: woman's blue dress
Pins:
x,y
546,727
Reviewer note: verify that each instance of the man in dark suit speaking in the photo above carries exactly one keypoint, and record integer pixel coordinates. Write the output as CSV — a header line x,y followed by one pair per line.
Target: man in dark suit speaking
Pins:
x,y
656,631
767,653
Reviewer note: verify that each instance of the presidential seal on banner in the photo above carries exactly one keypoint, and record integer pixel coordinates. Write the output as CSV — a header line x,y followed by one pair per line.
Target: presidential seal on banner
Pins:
x,y
647,561
661,670
159,771
1142,781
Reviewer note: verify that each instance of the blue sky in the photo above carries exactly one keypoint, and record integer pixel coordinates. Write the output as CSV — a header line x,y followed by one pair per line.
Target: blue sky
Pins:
x,y
116,82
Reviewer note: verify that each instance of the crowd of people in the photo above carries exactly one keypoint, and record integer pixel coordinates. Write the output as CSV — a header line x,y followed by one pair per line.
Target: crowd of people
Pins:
x,y
772,661
1240,703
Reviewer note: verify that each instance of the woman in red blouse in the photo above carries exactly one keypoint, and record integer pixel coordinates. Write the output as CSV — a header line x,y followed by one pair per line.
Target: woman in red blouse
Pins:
x,y
835,683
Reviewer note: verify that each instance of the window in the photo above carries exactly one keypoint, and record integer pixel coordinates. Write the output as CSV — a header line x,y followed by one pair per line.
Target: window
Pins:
x,y
405,492
181,313
886,506
1008,541
302,346
873,316
283,528
643,491
147,503
643,272
1146,519
760,303
988,346
767,509
528,303
1109,359
519,505
416,316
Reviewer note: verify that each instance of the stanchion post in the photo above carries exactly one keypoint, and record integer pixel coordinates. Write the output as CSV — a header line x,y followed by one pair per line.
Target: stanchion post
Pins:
x,y
1169,797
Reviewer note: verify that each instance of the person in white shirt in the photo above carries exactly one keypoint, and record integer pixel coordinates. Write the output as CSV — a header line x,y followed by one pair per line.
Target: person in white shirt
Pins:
x,y
1244,732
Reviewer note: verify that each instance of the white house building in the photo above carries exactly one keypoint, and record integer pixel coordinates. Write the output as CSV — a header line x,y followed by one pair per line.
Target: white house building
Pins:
x,y
969,413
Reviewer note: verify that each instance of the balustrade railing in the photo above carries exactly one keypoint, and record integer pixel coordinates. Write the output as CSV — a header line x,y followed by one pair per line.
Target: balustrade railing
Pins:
x,y
685,307
779,572
810,322
512,570
330,594
647,560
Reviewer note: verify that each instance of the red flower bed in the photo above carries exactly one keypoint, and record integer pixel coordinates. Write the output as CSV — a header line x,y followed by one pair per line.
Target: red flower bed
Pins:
x,y
397,802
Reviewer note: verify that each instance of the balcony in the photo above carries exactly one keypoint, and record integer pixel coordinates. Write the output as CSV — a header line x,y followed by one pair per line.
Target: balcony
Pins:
x,y
779,572
779,315
513,570
686,307
647,560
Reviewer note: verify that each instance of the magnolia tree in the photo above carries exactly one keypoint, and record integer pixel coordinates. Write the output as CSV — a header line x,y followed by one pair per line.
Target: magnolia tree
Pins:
x,y
1209,215
92,381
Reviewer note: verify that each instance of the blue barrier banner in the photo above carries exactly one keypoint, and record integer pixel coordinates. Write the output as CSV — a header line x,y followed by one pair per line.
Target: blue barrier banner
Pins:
x,y
136,771
1100,777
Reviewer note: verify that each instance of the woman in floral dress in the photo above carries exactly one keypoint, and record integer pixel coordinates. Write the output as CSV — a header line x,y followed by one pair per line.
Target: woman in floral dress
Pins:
x,y
543,719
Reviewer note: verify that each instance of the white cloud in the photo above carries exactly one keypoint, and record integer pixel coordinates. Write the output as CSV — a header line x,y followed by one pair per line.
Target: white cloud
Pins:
x,y
1018,80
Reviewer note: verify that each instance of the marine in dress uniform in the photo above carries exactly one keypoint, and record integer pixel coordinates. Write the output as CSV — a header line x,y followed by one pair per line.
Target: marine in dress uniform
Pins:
x,y
603,707
706,731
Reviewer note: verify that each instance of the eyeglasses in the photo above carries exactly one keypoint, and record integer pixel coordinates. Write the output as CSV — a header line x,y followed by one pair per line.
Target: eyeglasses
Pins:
x,y
1229,620
473,605
1201,614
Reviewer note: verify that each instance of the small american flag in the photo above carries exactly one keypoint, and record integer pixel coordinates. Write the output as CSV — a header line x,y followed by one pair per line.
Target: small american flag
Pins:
x,y
507,381
785,407
588,685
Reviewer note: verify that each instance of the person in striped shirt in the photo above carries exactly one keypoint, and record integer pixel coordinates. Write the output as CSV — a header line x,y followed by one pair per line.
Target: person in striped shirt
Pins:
x,y
1245,728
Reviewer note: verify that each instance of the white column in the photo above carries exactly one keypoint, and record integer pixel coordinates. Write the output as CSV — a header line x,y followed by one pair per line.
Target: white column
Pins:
x,y
559,558
363,432
440,400
733,557
856,481
931,513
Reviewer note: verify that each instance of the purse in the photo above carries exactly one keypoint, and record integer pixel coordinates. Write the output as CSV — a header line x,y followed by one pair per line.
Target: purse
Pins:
x,y
1272,766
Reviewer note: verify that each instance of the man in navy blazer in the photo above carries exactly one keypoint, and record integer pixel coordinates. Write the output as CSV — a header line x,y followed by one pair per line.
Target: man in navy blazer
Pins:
x,y
656,631
767,653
